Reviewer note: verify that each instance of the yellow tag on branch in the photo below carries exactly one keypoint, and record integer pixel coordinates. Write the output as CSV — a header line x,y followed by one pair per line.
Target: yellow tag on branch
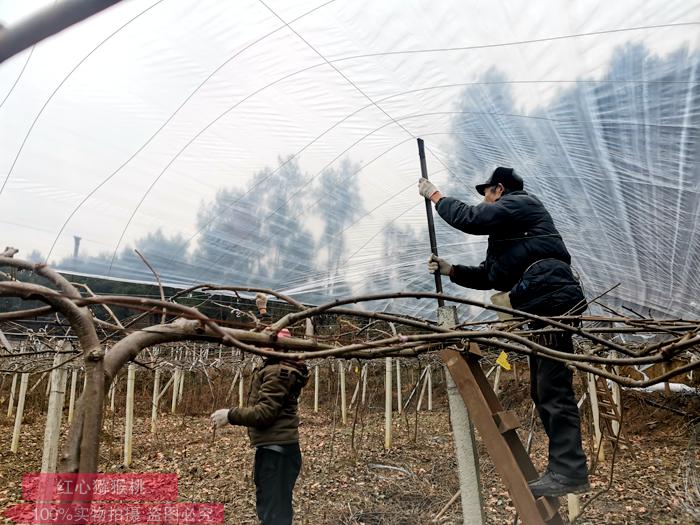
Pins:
x,y
503,361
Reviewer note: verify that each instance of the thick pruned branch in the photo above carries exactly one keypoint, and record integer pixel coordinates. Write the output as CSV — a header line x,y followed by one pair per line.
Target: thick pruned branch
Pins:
x,y
600,354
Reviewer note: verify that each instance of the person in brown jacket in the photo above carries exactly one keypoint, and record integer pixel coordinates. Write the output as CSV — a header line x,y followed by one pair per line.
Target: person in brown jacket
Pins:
x,y
273,428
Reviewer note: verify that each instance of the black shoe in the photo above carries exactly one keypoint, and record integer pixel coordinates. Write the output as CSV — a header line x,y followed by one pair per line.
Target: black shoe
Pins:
x,y
552,484
538,480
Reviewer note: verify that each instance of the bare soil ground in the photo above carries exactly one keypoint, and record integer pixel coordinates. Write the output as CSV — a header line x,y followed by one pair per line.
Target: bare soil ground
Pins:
x,y
342,484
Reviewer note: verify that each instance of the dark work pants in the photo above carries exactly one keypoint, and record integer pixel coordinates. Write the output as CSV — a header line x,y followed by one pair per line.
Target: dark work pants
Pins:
x,y
551,390
275,474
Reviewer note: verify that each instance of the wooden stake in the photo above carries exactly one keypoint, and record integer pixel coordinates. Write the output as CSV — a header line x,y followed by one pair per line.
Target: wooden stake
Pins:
x,y
54,413
154,403
343,400
364,383
48,384
399,403
595,414
667,386
387,403
422,391
316,382
233,384
181,388
437,517
37,383
574,503
240,387
20,412
11,404
616,398
497,379
71,399
129,424
85,378
430,390
356,391
112,390
165,388
176,385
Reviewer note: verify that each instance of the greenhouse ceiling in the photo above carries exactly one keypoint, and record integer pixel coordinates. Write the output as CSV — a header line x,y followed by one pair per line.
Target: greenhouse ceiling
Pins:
x,y
273,143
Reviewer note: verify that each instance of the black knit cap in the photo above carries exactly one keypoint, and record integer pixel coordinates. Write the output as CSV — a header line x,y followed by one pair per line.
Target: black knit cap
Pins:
x,y
506,176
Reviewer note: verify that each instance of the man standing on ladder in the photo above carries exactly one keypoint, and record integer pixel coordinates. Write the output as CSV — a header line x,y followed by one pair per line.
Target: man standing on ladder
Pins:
x,y
527,260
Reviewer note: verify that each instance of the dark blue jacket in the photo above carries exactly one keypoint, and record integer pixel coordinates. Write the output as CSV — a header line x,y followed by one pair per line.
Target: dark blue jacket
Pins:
x,y
526,255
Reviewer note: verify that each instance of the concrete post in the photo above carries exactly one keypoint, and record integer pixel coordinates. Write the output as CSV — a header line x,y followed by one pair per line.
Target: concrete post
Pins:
x,y
52,432
465,444
129,423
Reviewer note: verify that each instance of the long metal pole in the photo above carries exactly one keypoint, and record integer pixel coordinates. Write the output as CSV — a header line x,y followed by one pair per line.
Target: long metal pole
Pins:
x,y
47,22
431,223
465,445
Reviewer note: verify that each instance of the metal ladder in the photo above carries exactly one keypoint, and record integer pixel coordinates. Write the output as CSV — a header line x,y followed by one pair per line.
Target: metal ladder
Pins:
x,y
608,412
498,430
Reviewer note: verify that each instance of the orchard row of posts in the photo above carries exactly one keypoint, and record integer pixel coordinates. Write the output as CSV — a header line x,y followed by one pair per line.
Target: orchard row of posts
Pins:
x,y
63,379
64,376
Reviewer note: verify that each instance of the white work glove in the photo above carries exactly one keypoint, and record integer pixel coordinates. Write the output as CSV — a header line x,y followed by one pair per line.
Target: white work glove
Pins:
x,y
426,188
435,263
261,301
219,418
